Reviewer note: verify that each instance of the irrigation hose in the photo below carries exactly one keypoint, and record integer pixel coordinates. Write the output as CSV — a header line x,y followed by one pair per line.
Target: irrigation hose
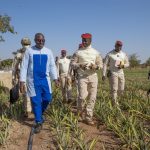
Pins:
x,y
30,141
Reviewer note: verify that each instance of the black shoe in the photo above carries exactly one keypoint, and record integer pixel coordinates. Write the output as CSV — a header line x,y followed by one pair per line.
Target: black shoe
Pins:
x,y
37,127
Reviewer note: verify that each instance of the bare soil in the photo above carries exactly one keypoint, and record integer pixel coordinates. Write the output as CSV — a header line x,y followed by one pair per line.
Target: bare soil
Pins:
x,y
5,79
20,131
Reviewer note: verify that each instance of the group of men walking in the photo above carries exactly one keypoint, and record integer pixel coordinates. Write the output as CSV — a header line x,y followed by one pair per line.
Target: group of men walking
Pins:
x,y
84,62
38,65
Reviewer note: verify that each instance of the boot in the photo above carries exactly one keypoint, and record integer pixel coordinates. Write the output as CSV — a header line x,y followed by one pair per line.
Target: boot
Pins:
x,y
37,127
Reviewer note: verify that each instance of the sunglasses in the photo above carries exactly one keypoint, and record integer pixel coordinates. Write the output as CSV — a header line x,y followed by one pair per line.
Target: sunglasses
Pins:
x,y
40,40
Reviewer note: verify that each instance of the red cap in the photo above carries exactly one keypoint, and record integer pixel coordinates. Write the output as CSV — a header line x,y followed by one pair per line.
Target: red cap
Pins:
x,y
119,43
63,51
86,35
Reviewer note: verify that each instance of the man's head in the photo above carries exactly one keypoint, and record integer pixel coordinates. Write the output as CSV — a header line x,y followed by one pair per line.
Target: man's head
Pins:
x,y
39,40
86,39
25,42
118,46
63,53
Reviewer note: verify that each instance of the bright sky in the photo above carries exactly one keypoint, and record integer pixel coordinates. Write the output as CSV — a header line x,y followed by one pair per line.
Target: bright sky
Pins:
x,y
63,21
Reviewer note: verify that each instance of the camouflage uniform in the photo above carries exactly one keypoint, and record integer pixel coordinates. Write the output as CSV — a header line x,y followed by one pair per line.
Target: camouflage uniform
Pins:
x,y
16,72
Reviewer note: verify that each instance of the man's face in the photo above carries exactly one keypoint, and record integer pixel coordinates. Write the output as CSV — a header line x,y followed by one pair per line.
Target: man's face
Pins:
x,y
25,46
40,41
86,42
63,54
118,48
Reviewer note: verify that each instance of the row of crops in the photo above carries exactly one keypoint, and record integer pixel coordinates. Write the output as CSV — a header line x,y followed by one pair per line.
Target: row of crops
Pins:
x,y
130,123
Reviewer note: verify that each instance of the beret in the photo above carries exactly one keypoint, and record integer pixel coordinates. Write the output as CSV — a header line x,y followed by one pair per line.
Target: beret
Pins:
x,y
86,35
119,43
63,51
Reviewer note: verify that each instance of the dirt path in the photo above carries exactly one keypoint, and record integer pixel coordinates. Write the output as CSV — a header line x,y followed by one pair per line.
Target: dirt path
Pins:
x,y
20,130
19,135
104,137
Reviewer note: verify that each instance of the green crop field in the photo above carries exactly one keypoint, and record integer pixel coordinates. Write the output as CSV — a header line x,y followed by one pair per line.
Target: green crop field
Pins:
x,y
130,123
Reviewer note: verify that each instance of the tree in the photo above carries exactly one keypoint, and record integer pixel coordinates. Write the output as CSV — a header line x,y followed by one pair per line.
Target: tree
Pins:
x,y
134,61
5,26
6,64
147,62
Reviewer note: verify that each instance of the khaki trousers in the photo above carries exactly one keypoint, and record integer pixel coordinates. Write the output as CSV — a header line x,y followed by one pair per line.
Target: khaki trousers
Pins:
x,y
26,103
87,87
66,88
117,83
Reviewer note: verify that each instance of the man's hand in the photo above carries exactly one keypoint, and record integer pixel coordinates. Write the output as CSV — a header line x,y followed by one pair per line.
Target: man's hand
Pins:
x,y
56,83
103,78
22,87
84,66
93,67
121,65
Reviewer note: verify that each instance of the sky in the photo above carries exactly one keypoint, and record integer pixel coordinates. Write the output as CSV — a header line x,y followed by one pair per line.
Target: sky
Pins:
x,y
63,21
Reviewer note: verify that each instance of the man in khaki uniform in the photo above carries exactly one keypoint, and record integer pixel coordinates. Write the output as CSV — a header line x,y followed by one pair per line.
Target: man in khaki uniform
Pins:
x,y
16,73
87,60
65,79
117,60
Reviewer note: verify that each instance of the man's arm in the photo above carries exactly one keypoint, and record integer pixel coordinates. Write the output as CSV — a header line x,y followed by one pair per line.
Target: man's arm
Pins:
x,y
105,64
52,68
23,71
98,63
126,62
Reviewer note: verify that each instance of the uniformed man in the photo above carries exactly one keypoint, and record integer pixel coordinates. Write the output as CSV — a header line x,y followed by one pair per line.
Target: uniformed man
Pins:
x,y
65,78
117,60
87,60
25,42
